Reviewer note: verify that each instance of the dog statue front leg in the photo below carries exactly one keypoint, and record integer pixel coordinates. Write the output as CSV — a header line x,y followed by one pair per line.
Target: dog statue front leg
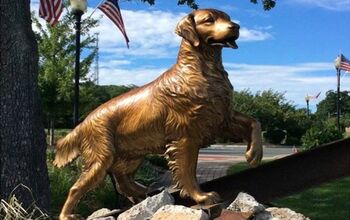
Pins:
x,y
182,158
248,129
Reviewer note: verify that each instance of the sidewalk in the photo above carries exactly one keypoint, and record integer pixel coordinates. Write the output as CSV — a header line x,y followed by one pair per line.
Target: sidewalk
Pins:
x,y
211,167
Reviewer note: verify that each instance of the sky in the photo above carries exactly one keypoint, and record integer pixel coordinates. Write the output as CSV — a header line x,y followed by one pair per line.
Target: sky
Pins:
x,y
290,49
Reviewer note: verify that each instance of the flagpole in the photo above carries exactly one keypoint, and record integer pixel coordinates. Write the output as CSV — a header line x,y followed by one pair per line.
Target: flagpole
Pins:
x,y
95,9
338,98
337,64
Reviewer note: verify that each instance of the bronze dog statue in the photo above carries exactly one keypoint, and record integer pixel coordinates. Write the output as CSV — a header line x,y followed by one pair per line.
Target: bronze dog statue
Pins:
x,y
183,110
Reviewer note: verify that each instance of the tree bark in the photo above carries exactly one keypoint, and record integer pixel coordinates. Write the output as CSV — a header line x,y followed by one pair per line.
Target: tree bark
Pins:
x,y
22,135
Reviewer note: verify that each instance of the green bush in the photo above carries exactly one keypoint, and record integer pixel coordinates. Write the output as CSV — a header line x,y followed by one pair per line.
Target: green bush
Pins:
x,y
322,134
275,136
157,160
104,196
62,179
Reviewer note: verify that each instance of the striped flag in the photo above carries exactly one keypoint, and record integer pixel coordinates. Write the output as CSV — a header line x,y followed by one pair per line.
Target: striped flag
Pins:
x,y
111,9
51,10
316,96
310,97
344,63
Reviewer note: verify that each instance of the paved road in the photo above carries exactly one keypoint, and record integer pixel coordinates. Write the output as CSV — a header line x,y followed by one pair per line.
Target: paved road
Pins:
x,y
214,161
225,152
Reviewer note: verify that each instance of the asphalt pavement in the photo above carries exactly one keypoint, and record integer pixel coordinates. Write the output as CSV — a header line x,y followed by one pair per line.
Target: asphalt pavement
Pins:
x,y
214,161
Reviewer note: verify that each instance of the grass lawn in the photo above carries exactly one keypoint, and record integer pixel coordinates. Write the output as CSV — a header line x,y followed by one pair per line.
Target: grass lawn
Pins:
x,y
325,202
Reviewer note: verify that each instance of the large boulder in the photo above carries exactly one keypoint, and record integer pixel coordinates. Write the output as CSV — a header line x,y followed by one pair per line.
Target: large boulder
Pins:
x,y
274,213
178,212
103,214
146,208
245,203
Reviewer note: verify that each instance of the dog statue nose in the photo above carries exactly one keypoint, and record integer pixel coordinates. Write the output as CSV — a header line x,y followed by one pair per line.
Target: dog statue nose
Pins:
x,y
234,26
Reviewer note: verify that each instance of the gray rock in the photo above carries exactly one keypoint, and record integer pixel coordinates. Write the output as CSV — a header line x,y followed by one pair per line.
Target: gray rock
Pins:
x,y
245,203
102,214
274,213
178,212
146,208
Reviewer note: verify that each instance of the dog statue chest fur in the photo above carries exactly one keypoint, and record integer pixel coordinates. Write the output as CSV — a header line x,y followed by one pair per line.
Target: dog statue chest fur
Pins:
x,y
181,111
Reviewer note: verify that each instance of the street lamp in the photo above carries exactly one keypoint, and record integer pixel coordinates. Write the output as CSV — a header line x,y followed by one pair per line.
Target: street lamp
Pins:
x,y
307,99
78,9
337,66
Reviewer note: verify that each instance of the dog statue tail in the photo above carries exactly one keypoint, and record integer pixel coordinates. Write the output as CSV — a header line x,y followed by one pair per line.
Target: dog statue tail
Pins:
x,y
67,148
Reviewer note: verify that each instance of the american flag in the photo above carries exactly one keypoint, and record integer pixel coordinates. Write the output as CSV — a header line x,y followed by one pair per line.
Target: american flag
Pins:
x,y
309,97
344,63
51,10
112,11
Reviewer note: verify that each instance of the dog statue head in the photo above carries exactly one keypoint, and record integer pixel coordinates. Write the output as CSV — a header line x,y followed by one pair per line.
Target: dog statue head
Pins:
x,y
208,26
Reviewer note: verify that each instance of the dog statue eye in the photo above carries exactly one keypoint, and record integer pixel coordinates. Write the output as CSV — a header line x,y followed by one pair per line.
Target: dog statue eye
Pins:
x,y
209,20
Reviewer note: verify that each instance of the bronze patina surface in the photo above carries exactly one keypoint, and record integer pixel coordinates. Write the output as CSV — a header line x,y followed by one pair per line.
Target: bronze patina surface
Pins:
x,y
178,113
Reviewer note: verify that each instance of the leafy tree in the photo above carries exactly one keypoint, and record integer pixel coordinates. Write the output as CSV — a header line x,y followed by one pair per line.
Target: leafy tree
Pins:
x,y
328,107
276,115
267,106
22,137
321,134
93,95
57,61
296,123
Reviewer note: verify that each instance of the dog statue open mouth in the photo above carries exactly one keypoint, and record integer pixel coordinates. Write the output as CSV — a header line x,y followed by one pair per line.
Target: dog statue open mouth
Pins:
x,y
230,42
178,113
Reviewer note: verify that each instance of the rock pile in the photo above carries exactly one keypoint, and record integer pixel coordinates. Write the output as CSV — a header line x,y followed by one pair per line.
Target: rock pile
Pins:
x,y
161,207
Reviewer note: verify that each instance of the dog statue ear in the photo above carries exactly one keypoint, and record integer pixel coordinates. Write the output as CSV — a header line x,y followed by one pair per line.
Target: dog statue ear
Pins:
x,y
186,29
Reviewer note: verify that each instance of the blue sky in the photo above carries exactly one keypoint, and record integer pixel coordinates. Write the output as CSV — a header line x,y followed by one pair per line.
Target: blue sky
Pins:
x,y
289,49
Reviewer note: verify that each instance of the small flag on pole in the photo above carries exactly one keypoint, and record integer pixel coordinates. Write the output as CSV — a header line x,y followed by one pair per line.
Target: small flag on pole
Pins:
x,y
51,10
316,96
111,9
344,63
309,97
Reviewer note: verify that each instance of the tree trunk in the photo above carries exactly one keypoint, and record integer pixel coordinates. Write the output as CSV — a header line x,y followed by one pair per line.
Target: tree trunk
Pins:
x,y
22,136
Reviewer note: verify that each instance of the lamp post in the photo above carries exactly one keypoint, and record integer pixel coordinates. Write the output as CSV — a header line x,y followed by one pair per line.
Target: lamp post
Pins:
x,y
307,99
78,9
337,67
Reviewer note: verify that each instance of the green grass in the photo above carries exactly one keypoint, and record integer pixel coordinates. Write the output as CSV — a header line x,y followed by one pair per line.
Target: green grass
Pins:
x,y
328,201
325,202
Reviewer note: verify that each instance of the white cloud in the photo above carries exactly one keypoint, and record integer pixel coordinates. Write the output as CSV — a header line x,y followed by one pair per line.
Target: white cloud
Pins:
x,y
253,35
336,5
296,80
137,76
151,34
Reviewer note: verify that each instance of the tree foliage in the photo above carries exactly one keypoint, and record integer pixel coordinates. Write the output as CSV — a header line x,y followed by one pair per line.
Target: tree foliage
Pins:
x,y
267,4
328,107
93,95
321,133
57,61
276,115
